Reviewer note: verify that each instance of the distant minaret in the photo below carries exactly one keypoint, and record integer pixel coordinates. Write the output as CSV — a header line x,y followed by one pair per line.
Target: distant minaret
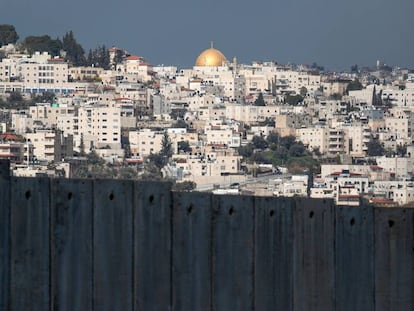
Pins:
x,y
235,71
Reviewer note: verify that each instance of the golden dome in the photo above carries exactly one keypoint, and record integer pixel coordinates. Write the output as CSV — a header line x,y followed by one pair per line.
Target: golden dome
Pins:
x,y
210,58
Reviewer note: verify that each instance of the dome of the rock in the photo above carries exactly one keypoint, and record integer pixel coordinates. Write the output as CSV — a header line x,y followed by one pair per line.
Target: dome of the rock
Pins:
x,y
210,58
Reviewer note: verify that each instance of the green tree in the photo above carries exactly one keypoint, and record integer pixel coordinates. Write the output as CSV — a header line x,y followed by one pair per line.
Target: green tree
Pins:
x,y
303,91
260,100
336,96
273,140
82,146
184,146
354,86
105,59
75,54
46,97
127,173
119,57
354,69
152,172
15,98
297,150
42,44
259,142
401,150
184,186
157,160
178,114
8,34
375,148
94,159
127,149
179,124
293,100
317,67
99,57
287,141
246,151
166,151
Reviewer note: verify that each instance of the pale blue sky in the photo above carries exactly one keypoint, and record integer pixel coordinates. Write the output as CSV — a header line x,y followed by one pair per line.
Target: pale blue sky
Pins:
x,y
333,33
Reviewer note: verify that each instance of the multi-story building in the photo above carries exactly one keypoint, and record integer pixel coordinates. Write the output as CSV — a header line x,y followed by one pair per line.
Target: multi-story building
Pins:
x,y
102,122
85,73
314,138
42,70
251,114
357,138
222,136
50,145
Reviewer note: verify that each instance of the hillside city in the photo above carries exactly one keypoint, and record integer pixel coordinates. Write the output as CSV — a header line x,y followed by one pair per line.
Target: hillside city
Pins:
x,y
264,128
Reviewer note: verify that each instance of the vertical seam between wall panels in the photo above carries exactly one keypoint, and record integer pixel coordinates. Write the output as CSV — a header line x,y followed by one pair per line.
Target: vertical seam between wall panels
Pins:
x,y
253,254
170,207
93,244
333,208
212,220
51,239
374,276
9,241
134,202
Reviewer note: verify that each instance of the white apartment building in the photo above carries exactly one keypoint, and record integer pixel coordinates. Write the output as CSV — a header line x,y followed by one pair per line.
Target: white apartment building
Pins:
x,y
208,165
329,108
49,145
212,113
134,69
48,114
195,102
84,72
365,96
8,70
314,138
400,127
399,167
222,136
401,98
404,194
251,114
233,84
292,120
300,79
146,141
38,73
357,138
43,144
21,123
102,122
296,186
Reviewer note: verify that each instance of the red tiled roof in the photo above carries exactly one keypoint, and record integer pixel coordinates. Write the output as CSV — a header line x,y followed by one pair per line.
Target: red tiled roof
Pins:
x,y
382,201
376,168
133,57
9,137
348,196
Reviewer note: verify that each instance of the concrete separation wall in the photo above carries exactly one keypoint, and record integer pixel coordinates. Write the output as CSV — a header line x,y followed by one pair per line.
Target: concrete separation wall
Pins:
x,y
124,245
